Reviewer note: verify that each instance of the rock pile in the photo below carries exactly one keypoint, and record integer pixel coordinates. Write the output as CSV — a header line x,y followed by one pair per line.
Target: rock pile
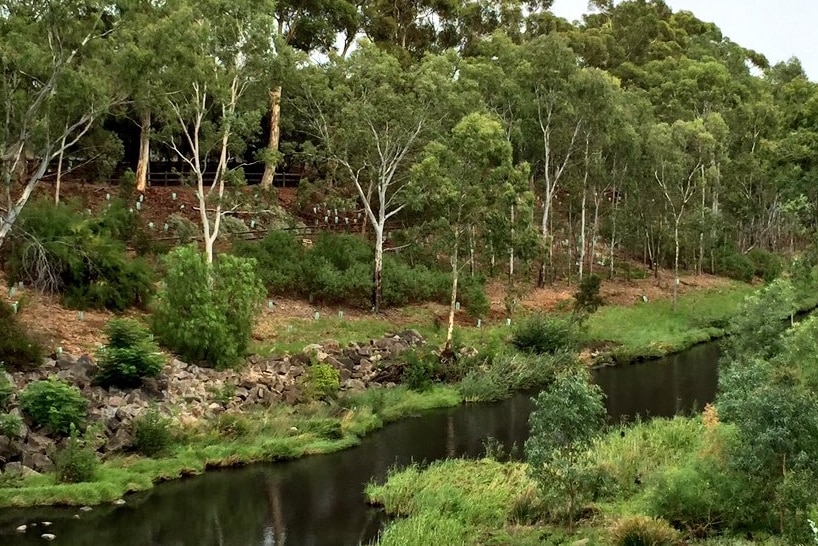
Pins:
x,y
190,392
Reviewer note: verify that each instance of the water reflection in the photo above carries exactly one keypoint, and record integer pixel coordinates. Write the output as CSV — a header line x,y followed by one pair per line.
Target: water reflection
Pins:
x,y
319,500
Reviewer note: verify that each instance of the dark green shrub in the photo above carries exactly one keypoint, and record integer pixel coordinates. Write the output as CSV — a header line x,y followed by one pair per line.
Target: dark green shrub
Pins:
x,y
321,381
541,334
279,261
152,433
129,356
59,249
76,462
643,531
587,299
472,296
419,370
734,265
205,312
54,404
18,349
324,428
766,265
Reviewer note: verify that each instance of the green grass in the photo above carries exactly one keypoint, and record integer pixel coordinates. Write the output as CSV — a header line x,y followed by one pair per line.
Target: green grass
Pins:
x,y
278,433
654,329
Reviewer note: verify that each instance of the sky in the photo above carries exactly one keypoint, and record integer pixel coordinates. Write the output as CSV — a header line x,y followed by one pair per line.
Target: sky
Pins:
x,y
779,29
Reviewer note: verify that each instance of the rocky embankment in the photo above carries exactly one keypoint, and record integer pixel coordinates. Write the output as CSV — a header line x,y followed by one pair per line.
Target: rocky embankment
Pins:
x,y
190,393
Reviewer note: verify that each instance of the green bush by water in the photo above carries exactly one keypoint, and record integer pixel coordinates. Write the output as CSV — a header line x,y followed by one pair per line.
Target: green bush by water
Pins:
x,y
76,462
54,404
321,381
152,433
540,334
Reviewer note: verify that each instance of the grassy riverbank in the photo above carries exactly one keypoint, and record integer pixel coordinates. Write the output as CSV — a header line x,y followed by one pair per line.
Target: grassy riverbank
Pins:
x,y
644,471
281,433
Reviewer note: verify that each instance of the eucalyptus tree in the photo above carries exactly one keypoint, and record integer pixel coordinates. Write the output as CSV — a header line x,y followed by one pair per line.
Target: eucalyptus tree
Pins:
x,y
222,53
54,59
462,177
305,26
680,153
371,116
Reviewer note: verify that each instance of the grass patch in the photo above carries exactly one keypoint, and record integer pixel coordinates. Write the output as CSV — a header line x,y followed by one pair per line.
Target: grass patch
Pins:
x,y
274,434
654,329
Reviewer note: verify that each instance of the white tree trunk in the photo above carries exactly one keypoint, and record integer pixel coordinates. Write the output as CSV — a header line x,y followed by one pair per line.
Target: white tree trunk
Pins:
x,y
275,135
144,150
453,303
59,171
377,274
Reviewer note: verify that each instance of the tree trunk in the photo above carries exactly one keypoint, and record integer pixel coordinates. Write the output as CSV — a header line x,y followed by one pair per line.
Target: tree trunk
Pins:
x,y
59,172
582,235
14,212
511,247
144,151
377,272
275,133
447,349
676,262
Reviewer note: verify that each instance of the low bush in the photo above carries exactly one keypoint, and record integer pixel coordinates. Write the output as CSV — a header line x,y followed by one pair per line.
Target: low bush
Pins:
x,y
587,299
205,312
19,350
231,425
54,404
540,334
736,266
6,390
76,462
419,370
321,381
11,425
767,266
152,433
643,531
129,356
59,249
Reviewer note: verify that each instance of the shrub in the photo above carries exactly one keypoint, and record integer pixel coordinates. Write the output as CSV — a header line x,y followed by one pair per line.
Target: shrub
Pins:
x,y
232,426
18,349
279,261
152,433
54,404
321,381
205,312
11,425
766,265
734,265
59,249
540,334
473,296
643,531
587,300
76,462
419,370
6,390
129,356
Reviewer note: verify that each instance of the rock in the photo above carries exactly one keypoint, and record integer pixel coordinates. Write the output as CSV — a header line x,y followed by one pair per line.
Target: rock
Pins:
x,y
344,374
354,385
46,524
8,448
48,536
176,363
86,509
116,401
120,441
38,442
119,502
21,528
583,542
214,406
39,462
331,345
17,468
154,387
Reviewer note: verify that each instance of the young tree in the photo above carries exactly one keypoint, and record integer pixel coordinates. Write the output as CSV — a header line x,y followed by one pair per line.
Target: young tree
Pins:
x,y
223,52
462,178
371,116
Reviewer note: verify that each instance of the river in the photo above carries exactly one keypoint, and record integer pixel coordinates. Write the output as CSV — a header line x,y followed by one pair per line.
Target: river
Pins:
x,y
318,500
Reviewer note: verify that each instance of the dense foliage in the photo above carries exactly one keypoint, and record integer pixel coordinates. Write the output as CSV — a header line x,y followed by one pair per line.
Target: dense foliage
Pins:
x,y
54,404
205,312
19,350
64,250
129,356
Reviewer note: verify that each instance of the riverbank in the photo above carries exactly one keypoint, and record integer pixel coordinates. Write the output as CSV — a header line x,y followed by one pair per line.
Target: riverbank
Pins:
x,y
285,432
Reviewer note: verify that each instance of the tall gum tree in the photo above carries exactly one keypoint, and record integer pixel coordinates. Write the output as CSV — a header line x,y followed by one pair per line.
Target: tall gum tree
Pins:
x,y
222,57
371,116
462,177
53,87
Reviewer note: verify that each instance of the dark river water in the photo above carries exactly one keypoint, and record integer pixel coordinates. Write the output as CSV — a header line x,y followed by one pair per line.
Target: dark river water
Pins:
x,y
318,500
